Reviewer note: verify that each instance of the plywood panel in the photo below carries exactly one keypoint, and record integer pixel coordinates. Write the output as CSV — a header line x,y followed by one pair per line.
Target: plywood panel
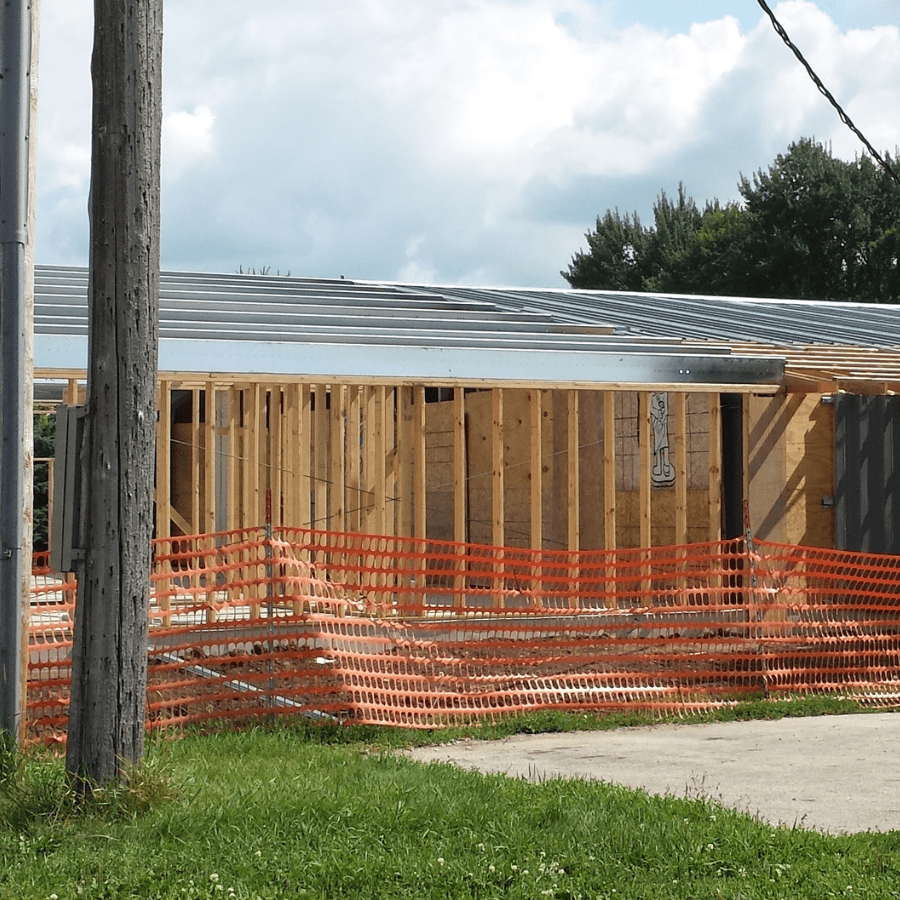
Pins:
x,y
645,468
304,462
769,419
574,477
195,440
439,470
275,485
290,477
406,462
537,469
356,500
208,518
791,468
320,456
591,469
679,441
374,460
610,467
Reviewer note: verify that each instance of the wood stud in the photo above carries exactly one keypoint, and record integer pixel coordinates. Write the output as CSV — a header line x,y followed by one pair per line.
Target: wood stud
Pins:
x,y
350,457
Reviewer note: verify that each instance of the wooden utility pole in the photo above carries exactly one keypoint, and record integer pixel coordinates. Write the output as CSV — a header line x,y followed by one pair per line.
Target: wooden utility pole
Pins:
x,y
109,664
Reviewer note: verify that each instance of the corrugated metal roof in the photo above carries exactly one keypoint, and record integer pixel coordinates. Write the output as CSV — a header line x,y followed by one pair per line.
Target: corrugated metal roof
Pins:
x,y
732,319
304,327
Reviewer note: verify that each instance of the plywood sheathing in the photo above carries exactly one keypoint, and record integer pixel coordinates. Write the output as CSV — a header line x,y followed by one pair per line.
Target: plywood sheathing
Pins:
x,y
791,469
579,503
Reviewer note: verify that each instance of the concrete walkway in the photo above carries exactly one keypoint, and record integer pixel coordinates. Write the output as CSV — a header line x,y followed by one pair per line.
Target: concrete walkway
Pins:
x,y
829,773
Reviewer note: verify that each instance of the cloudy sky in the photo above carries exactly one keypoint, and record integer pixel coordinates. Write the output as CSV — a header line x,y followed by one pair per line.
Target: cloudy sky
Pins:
x,y
457,141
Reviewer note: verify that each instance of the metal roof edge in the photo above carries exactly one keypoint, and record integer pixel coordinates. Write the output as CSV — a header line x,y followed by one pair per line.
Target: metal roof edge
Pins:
x,y
439,365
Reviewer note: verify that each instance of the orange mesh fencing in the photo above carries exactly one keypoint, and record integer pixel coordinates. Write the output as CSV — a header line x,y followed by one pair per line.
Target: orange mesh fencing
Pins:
x,y
341,627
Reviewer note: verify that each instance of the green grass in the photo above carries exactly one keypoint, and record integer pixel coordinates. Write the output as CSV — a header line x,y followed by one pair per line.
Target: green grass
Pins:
x,y
312,813
551,720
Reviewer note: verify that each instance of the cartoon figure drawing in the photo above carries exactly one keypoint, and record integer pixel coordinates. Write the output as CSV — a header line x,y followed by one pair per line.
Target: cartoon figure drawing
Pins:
x,y
663,471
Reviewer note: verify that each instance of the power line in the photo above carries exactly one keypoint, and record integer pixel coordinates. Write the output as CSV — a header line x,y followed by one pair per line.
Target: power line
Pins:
x,y
825,92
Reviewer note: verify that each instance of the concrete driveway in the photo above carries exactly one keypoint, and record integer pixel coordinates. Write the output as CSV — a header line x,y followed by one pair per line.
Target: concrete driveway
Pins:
x,y
829,773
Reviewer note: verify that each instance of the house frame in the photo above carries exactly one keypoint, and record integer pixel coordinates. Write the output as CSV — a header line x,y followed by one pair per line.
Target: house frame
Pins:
x,y
545,419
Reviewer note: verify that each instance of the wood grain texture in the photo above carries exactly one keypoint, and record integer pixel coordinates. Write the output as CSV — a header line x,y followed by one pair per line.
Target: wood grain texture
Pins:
x,y
109,677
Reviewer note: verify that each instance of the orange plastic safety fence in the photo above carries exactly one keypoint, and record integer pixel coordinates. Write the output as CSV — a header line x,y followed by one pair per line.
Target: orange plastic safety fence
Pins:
x,y
829,620
348,627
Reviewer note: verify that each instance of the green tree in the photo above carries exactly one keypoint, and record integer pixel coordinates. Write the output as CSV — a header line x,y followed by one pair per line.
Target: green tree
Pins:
x,y
623,255
812,226
615,256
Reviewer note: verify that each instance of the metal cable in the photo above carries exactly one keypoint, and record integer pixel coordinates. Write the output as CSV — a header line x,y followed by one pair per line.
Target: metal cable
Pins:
x,y
825,92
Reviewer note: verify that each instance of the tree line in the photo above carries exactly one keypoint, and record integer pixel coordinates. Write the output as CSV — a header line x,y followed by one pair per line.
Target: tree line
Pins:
x,y
811,227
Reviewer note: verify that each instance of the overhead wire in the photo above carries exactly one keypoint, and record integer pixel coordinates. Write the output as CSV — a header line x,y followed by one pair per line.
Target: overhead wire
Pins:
x,y
779,28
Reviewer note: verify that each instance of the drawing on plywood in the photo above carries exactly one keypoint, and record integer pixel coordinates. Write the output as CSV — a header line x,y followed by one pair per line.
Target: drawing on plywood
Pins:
x,y
663,471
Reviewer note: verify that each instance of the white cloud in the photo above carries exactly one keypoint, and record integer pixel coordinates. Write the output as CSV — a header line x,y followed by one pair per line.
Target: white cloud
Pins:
x,y
450,140
187,137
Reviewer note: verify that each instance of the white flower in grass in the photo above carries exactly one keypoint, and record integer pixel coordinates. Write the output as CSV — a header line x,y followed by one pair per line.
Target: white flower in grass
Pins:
x,y
214,877
440,860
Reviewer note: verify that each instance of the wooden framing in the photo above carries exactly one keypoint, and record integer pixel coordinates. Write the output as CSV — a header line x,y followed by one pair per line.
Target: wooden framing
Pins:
x,y
354,496
609,470
405,462
320,456
645,466
498,485
460,518
351,457
378,469
208,517
337,456
419,478
194,520
460,485
163,491
304,458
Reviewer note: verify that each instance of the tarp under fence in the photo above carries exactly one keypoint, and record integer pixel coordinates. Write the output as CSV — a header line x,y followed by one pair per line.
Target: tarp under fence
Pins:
x,y
340,627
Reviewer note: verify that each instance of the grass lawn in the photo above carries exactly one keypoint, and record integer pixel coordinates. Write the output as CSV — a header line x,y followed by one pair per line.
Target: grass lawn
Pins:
x,y
300,812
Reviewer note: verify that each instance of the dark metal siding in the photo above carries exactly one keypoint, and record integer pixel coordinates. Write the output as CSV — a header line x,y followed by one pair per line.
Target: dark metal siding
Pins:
x,y
867,498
